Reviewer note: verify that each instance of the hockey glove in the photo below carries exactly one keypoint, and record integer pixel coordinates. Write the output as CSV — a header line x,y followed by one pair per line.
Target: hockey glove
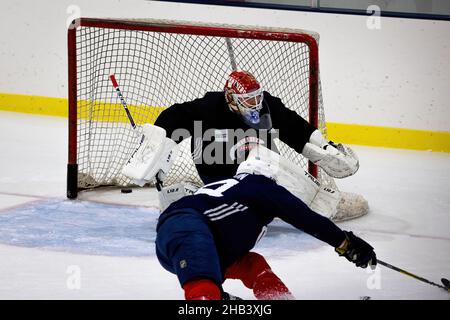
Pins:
x,y
358,251
337,160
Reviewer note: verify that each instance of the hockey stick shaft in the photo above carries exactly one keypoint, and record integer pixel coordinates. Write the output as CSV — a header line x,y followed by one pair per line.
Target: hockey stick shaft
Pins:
x,y
122,99
390,266
113,79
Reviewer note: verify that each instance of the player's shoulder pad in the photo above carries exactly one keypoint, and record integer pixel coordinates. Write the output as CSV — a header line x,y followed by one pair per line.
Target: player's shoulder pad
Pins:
x,y
253,177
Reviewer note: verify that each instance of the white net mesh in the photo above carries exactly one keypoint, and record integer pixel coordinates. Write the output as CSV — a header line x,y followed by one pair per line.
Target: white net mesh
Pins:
x,y
158,69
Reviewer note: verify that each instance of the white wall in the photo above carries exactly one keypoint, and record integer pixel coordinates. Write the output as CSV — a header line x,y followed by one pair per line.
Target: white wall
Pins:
x,y
397,76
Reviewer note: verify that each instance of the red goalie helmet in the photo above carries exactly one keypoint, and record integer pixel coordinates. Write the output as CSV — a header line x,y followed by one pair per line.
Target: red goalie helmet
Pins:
x,y
245,96
242,82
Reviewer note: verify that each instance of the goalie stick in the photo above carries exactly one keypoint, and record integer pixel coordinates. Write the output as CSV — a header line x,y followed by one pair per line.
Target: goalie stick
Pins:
x,y
445,282
112,77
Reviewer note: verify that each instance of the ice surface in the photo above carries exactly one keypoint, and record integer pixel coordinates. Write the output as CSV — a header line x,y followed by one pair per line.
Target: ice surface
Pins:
x,y
109,236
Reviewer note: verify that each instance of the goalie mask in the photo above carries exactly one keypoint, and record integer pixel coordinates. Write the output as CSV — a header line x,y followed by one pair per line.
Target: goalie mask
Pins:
x,y
245,97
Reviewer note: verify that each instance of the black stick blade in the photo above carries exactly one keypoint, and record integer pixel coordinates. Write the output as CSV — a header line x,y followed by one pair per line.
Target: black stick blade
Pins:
x,y
446,283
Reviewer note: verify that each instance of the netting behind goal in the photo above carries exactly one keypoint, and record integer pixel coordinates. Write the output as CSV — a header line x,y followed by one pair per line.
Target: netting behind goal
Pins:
x,y
160,63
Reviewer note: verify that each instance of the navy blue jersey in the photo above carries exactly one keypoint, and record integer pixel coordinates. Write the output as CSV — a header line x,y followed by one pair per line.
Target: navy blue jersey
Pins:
x,y
224,144
238,210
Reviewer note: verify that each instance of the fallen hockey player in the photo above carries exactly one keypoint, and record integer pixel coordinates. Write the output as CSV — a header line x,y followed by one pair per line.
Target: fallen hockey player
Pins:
x,y
207,237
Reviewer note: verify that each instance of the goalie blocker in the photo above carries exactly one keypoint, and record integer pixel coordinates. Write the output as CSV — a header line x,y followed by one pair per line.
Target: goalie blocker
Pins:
x,y
154,156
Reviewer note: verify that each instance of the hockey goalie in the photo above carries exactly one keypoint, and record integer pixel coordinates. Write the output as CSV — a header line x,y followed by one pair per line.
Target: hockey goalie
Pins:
x,y
214,122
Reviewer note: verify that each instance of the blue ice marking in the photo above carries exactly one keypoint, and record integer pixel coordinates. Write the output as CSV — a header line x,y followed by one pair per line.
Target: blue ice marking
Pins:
x,y
81,227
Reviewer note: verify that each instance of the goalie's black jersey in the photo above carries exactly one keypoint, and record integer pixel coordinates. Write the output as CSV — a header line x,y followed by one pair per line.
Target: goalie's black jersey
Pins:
x,y
217,146
238,210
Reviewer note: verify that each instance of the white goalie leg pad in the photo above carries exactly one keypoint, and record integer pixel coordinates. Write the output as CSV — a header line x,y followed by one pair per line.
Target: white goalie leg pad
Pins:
x,y
326,202
337,162
292,177
298,181
287,174
175,192
351,206
156,153
304,186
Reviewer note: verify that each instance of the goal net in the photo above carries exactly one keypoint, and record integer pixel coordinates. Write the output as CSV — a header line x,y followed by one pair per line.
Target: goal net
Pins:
x,y
159,63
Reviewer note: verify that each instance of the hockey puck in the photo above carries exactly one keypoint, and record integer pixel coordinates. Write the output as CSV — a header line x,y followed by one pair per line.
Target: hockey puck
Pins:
x,y
446,283
126,190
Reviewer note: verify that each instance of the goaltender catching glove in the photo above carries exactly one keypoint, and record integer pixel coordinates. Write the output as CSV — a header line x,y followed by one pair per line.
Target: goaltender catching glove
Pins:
x,y
358,251
337,160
